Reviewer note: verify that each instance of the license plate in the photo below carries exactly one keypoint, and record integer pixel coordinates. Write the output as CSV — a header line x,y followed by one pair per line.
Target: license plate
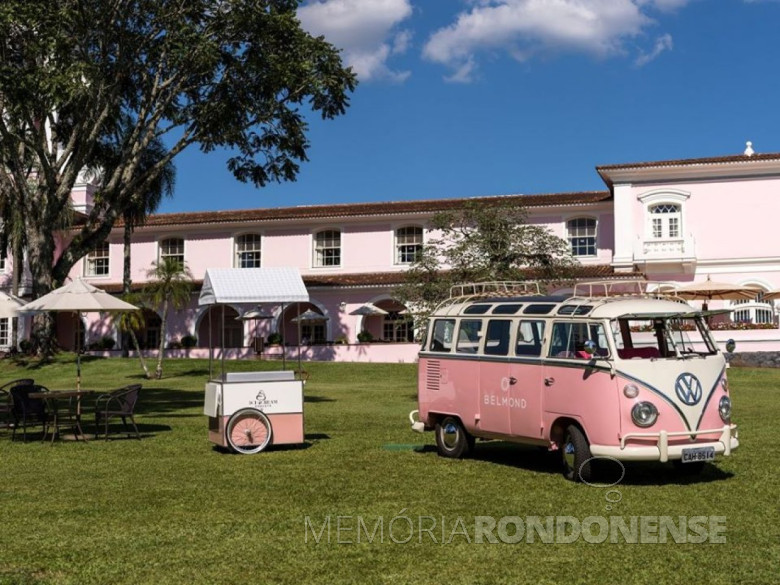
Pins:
x,y
698,454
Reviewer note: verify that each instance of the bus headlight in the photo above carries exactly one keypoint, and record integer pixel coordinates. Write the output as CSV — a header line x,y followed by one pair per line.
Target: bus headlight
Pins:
x,y
644,414
724,408
630,390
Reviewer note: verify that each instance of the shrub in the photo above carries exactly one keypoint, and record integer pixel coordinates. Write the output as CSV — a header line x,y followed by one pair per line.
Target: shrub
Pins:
x,y
189,341
365,336
25,346
274,338
107,343
174,344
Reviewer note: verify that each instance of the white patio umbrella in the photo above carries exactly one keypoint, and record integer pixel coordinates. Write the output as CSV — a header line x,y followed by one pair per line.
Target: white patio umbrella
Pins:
x,y
309,315
710,290
9,306
77,297
368,310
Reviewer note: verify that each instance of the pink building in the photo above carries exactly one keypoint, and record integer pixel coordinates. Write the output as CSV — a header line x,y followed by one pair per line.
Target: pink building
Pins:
x,y
680,220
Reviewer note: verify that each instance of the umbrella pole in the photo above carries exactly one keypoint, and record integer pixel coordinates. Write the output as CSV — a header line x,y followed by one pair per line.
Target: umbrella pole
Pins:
x,y
211,344
300,369
284,361
78,352
222,349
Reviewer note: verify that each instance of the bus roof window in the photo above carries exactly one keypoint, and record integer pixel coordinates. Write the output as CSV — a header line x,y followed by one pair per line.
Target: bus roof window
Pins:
x,y
575,309
506,309
476,310
538,309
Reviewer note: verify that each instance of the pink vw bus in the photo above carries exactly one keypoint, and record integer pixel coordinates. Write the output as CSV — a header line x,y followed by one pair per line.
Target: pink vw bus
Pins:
x,y
592,374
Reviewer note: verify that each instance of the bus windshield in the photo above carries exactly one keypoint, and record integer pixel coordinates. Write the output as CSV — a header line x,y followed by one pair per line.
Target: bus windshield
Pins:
x,y
665,336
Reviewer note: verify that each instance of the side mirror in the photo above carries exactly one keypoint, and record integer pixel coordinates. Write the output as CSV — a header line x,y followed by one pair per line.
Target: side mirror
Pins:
x,y
730,345
589,347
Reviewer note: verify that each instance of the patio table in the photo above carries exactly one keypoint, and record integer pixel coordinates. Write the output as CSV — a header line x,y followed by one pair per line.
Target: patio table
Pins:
x,y
55,400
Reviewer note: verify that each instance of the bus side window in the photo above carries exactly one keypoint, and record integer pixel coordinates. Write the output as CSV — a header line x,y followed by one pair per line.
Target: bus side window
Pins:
x,y
497,339
441,339
529,338
468,336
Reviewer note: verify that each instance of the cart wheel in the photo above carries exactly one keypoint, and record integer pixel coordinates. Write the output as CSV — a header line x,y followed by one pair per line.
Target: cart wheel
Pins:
x,y
248,431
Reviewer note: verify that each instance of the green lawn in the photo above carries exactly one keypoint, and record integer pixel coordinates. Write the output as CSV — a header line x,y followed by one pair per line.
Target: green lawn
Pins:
x,y
172,509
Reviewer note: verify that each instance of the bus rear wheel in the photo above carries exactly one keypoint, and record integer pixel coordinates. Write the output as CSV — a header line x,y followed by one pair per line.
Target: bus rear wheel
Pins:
x,y
452,440
576,455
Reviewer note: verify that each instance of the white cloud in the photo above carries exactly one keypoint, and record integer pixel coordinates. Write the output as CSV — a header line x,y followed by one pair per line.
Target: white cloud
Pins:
x,y
366,30
524,28
662,43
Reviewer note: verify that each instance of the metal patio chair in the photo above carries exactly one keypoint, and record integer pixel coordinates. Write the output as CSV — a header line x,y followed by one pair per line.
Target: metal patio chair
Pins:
x,y
6,414
117,403
27,411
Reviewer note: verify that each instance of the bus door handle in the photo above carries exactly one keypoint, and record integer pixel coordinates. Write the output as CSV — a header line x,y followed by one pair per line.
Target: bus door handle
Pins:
x,y
549,381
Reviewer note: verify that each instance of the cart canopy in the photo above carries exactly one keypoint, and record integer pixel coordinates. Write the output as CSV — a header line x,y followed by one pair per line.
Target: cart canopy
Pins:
x,y
253,285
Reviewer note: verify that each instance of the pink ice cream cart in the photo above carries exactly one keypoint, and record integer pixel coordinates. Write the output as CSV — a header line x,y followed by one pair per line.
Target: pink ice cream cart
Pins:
x,y
249,411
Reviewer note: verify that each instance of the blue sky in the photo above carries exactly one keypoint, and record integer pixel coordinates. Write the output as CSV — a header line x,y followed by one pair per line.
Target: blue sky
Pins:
x,y
462,98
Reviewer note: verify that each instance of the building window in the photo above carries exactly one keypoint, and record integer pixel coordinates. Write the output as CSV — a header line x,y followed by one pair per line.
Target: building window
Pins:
x,y
581,233
397,327
2,265
755,310
248,251
665,220
408,244
312,333
5,332
327,248
97,261
172,248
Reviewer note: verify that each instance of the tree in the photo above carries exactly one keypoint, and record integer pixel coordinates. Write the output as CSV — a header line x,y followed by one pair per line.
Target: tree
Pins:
x,y
170,285
483,242
238,74
131,321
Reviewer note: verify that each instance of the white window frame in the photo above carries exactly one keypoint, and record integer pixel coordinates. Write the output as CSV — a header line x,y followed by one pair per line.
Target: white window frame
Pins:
x,y
397,245
237,252
660,197
161,255
318,260
93,261
5,332
571,237
755,310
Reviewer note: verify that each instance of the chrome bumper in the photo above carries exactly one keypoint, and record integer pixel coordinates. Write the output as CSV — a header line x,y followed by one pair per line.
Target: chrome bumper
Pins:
x,y
662,451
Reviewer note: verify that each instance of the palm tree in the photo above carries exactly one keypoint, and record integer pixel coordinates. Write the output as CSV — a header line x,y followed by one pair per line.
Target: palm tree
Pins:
x,y
131,321
170,285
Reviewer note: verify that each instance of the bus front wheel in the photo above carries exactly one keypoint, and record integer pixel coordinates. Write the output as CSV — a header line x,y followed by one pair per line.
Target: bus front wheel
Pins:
x,y
576,455
452,440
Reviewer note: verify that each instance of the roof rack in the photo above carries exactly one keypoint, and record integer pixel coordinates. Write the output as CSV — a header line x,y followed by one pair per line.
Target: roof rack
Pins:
x,y
624,288
497,288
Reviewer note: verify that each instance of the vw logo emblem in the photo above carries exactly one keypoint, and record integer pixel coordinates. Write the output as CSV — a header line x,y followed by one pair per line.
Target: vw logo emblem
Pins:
x,y
688,389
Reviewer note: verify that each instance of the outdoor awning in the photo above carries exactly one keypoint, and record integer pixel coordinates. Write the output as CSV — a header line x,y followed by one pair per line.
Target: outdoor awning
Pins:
x,y
252,285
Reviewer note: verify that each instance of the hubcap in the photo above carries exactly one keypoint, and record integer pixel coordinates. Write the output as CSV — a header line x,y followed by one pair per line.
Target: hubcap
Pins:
x,y
449,435
568,454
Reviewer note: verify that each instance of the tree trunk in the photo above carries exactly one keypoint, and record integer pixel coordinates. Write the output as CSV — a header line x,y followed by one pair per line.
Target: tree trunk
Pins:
x,y
140,355
159,371
126,285
41,257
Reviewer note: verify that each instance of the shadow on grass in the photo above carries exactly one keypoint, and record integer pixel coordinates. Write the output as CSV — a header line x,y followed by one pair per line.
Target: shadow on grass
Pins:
x,y
152,400
318,399
605,471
